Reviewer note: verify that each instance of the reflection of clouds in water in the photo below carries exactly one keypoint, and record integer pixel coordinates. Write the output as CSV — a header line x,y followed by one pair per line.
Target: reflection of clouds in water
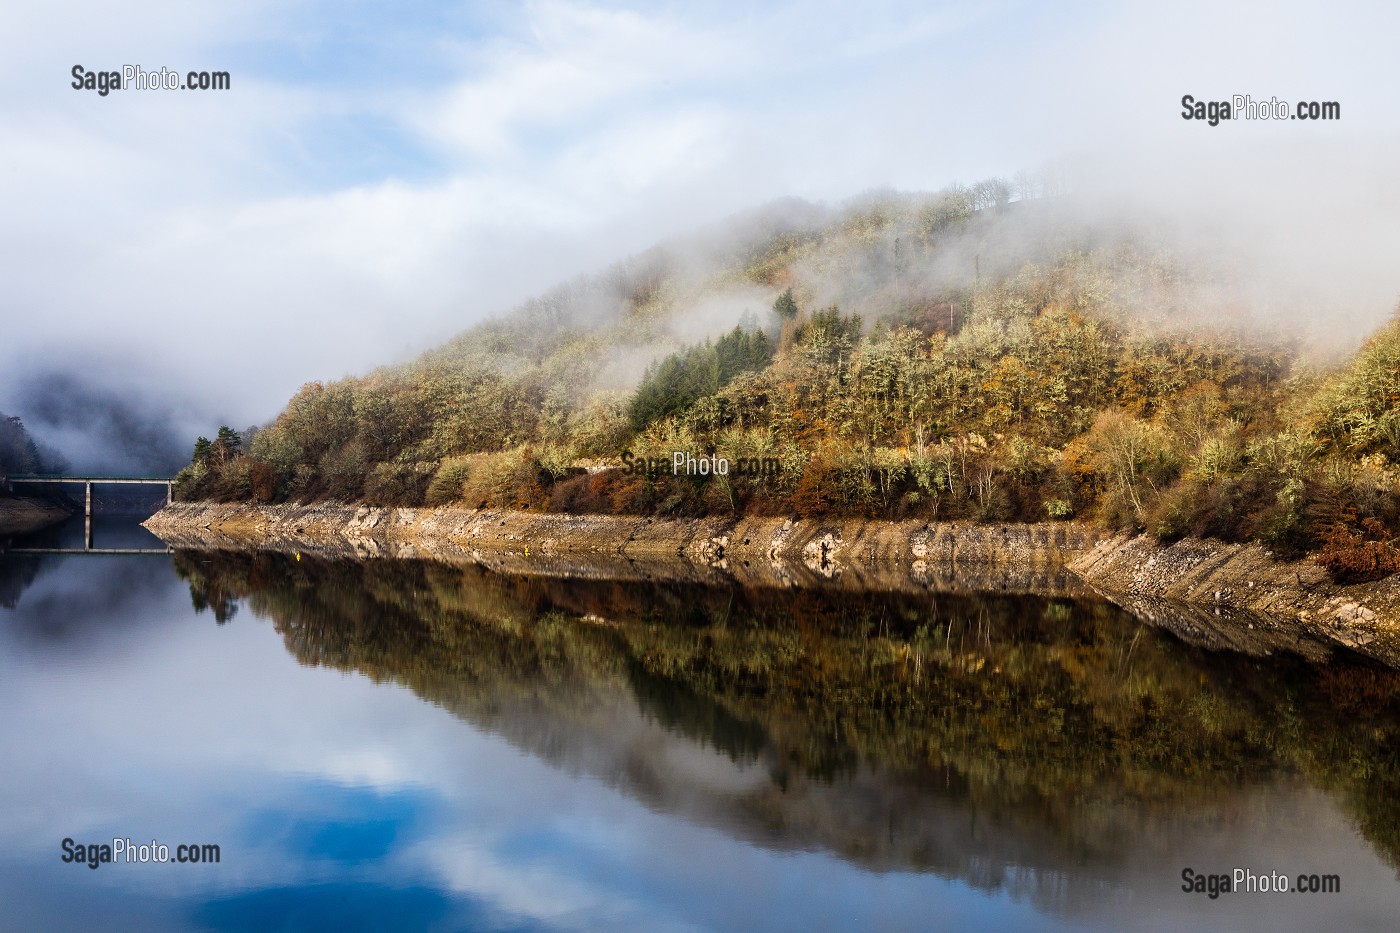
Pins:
x,y
75,604
535,888
330,792
258,743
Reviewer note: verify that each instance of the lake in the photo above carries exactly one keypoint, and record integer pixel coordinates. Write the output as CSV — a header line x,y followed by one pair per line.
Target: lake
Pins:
x,y
412,745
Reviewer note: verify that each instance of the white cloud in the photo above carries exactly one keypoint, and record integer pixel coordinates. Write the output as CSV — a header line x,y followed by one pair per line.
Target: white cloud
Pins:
x,y
573,71
300,227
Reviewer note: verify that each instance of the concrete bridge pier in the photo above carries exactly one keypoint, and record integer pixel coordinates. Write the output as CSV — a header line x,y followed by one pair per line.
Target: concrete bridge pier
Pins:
x,y
88,505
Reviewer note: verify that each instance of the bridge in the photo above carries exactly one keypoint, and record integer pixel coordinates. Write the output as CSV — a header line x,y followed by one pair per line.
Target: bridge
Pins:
x,y
168,482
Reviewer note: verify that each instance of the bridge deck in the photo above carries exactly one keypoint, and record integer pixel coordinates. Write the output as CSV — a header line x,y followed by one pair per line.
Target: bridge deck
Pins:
x,y
36,478
92,550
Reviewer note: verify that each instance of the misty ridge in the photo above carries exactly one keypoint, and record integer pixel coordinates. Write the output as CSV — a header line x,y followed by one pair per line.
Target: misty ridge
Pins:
x,y
999,352
74,424
1235,259
20,454
1181,255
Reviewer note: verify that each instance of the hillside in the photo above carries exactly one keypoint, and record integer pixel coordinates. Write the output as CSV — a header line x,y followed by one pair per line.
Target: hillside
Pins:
x,y
18,452
950,356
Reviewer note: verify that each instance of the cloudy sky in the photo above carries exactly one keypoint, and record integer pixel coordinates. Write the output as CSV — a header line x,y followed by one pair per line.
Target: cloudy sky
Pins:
x,y
380,176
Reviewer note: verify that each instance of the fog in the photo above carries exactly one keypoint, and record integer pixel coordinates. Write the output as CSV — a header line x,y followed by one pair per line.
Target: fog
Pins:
x,y
102,429
374,183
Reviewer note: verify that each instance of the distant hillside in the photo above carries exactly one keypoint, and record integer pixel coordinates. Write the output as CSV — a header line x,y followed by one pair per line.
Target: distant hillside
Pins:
x,y
960,355
18,453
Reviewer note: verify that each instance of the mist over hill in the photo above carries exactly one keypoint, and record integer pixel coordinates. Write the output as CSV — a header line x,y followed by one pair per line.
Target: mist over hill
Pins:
x,y
990,353
97,429
18,451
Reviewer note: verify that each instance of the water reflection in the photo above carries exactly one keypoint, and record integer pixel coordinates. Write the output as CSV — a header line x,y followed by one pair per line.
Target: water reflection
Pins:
x,y
1016,743
109,532
671,756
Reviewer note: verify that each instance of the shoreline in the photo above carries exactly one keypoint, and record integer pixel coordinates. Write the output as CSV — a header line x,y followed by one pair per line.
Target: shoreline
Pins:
x,y
755,552
1209,593
23,515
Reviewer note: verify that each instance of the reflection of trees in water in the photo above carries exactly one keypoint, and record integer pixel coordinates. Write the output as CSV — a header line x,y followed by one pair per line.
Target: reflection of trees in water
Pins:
x,y
73,602
967,734
16,573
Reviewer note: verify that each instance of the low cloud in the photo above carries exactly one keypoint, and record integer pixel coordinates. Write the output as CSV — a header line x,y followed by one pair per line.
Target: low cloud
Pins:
x,y
364,193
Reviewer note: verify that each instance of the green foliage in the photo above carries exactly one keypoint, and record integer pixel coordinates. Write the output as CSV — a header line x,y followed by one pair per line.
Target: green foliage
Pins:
x,y
227,444
830,328
1359,410
507,479
449,481
398,483
681,379
785,306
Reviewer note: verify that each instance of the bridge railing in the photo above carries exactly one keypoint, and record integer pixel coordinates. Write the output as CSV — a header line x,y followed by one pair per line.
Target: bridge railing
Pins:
x,y
88,481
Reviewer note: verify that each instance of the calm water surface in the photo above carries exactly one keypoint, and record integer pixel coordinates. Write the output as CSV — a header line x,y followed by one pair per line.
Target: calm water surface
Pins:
x,y
401,745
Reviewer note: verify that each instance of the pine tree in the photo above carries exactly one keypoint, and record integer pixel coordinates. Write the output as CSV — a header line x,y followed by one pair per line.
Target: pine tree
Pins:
x,y
226,445
786,306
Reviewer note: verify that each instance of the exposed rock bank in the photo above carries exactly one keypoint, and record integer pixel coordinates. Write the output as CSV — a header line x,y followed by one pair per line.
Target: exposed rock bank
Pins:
x,y
22,515
1209,593
751,551
1241,597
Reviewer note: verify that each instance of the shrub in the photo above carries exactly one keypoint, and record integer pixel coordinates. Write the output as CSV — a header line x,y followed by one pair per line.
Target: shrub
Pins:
x,y
1353,556
343,472
1359,409
398,484
818,490
507,479
447,483
1133,460
263,479
606,492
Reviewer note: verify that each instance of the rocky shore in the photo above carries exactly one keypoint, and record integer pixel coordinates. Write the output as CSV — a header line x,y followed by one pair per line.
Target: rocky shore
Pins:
x,y
1209,593
751,551
23,515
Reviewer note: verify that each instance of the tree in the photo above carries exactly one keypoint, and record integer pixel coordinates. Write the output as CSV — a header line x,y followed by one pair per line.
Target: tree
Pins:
x,y
17,451
832,334
786,306
202,449
682,379
226,445
1358,411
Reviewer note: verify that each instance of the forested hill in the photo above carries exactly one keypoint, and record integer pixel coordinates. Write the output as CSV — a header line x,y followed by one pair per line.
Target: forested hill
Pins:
x,y
18,452
958,355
